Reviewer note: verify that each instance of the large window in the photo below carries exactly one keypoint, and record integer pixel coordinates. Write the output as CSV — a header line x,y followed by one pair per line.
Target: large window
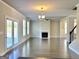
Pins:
x,y
65,26
12,33
24,27
9,33
15,32
28,27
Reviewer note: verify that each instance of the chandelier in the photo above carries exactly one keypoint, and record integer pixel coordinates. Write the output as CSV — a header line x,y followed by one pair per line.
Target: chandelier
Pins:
x,y
42,16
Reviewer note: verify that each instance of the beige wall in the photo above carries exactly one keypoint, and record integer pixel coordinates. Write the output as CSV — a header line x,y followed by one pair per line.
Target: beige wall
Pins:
x,y
6,10
55,29
78,24
62,28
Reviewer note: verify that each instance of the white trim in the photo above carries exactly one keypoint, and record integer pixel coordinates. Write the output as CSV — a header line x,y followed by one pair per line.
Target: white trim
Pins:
x,y
11,7
58,37
8,17
48,38
36,37
54,36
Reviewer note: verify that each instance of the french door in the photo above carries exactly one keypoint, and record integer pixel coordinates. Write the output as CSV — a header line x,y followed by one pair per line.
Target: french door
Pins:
x,y
12,33
15,32
9,33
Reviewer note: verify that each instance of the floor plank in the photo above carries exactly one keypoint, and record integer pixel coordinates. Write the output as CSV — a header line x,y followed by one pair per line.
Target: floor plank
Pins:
x,y
49,48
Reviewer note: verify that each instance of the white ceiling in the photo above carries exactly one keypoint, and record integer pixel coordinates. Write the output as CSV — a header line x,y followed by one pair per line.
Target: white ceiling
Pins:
x,y
58,8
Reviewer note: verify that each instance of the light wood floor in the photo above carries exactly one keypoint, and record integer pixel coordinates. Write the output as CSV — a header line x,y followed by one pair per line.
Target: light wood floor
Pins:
x,y
43,48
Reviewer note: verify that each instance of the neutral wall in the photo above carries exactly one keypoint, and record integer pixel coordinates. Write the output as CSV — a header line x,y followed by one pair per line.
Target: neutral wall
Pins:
x,y
53,27
62,28
6,10
78,24
35,29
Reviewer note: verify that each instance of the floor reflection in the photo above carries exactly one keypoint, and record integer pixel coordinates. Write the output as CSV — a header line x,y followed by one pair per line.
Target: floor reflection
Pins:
x,y
15,54
54,48
26,49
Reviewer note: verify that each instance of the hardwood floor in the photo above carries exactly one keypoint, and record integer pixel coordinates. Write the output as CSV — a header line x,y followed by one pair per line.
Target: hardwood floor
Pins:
x,y
43,49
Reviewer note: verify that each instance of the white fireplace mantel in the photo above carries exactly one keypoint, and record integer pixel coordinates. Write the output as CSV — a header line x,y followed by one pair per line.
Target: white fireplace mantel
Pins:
x,y
45,27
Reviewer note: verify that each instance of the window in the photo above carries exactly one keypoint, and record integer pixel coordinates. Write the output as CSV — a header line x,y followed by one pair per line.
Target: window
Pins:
x,y
15,32
24,27
9,33
65,26
75,23
28,27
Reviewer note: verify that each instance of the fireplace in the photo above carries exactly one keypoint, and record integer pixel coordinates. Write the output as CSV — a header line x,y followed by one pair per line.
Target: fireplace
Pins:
x,y
44,34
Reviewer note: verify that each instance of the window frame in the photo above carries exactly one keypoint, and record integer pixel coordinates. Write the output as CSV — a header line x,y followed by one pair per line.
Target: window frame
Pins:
x,y
13,20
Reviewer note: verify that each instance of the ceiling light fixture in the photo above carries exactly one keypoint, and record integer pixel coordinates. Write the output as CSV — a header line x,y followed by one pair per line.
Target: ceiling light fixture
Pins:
x,y
42,16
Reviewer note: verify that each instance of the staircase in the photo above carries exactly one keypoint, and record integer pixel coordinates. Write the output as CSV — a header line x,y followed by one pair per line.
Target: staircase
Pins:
x,y
72,35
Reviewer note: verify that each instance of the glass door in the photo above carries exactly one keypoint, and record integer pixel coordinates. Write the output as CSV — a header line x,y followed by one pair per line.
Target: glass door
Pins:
x,y
9,33
16,33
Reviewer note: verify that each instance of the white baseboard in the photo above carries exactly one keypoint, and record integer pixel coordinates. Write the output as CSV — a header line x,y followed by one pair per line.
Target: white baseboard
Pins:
x,y
50,37
56,37
35,37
